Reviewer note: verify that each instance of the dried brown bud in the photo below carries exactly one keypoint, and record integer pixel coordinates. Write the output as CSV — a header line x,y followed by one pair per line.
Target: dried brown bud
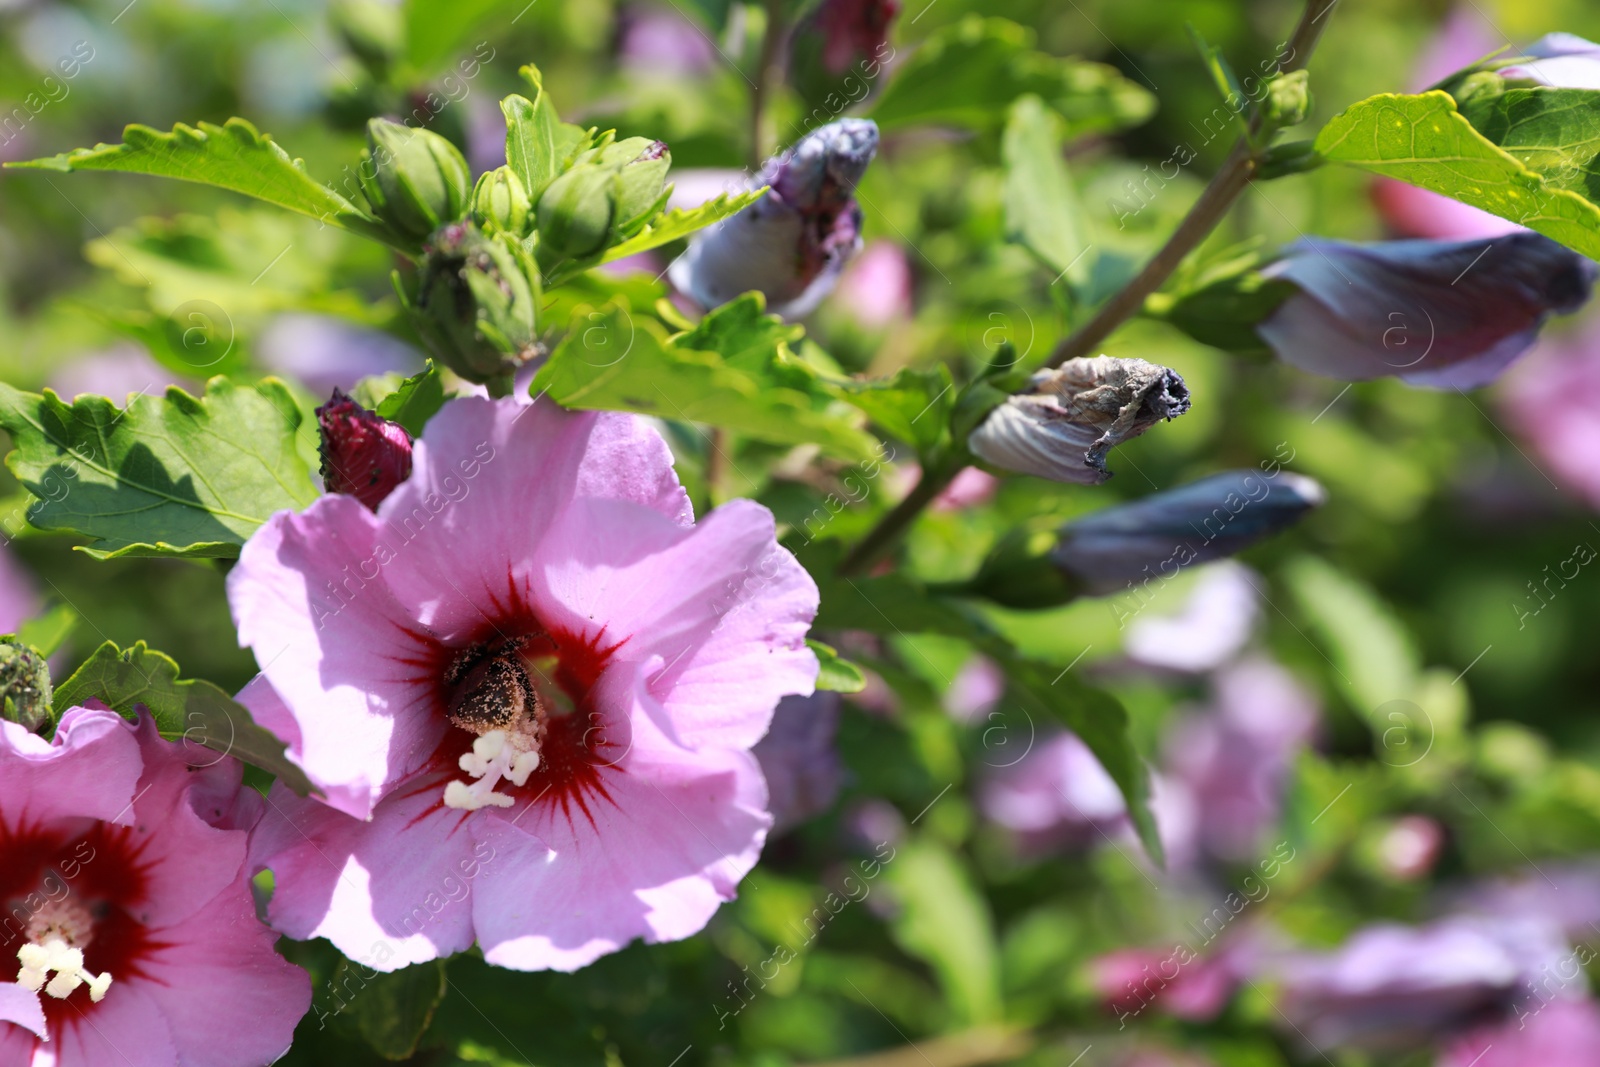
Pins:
x,y
1064,423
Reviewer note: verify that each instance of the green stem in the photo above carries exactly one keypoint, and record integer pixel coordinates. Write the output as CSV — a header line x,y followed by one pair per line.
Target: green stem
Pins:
x,y
883,536
1230,180
761,90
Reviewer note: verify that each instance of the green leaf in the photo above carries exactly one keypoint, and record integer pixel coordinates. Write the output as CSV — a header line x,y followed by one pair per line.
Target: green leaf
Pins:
x,y
1371,650
1042,210
233,156
531,137
169,476
389,1011
681,222
944,921
191,710
837,674
622,363
435,33
49,631
1425,141
1222,76
1553,132
913,405
415,401
966,74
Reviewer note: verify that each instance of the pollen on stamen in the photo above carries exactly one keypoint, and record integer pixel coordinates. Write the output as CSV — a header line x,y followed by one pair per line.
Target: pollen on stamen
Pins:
x,y
494,699
57,934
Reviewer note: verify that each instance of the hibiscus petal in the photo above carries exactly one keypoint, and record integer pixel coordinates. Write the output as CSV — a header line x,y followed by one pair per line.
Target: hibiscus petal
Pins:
x,y
123,1029
229,998
93,751
721,603
469,519
22,1007
309,599
388,893
184,861
655,860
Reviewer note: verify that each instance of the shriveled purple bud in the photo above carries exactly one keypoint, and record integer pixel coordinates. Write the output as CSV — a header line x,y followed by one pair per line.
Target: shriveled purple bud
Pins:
x,y
1446,314
1153,538
800,759
1063,424
791,244
363,455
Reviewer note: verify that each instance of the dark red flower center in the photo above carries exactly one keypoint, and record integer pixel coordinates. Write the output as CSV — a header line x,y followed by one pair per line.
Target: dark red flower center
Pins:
x,y
73,884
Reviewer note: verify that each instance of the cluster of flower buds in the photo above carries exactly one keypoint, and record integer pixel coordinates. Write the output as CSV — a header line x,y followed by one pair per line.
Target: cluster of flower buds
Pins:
x,y
604,197
791,244
477,301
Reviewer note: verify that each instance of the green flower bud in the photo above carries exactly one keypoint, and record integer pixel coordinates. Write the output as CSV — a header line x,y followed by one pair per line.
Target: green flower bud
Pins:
x,y
500,203
604,198
24,684
477,302
1288,100
415,180
575,212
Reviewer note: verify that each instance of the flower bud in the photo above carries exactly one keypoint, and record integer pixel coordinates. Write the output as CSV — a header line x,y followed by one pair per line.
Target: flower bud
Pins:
x,y
792,243
1446,314
500,203
24,684
1154,538
414,179
363,455
1064,423
476,302
603,198
1288,100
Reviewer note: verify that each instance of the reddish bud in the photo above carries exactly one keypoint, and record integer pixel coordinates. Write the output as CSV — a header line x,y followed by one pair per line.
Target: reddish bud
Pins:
x,y
362,454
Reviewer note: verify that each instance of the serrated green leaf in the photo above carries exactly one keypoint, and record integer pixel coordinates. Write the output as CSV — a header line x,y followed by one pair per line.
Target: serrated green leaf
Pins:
x,y
389,1011
681,222
944,921
1553,132
1425,141
913,405
189,709
415,400
623,363
836,674
966,74
234,156
1042,209
173,475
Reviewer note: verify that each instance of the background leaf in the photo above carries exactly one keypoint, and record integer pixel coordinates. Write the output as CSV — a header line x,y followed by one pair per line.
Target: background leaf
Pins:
x,y
1042,209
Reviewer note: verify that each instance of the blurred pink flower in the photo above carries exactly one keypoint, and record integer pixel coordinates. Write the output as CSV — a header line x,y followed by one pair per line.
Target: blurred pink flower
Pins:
x,y
1552,401
800,759
19,596
1410,847
1211,627
530,666
1563,1033
660,42
324,353
1235,757
876,288
139,942
977,687
116,373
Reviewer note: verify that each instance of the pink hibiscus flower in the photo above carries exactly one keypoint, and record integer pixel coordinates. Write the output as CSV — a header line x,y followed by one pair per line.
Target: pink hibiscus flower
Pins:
x,y
538,681
127,905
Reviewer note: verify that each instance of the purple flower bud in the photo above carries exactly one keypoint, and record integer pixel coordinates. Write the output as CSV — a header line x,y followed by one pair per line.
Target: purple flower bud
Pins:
x,y
1064,423
799,758
1153,538
363,455
853,30
1446,314
793,242
1563,60
1392,988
